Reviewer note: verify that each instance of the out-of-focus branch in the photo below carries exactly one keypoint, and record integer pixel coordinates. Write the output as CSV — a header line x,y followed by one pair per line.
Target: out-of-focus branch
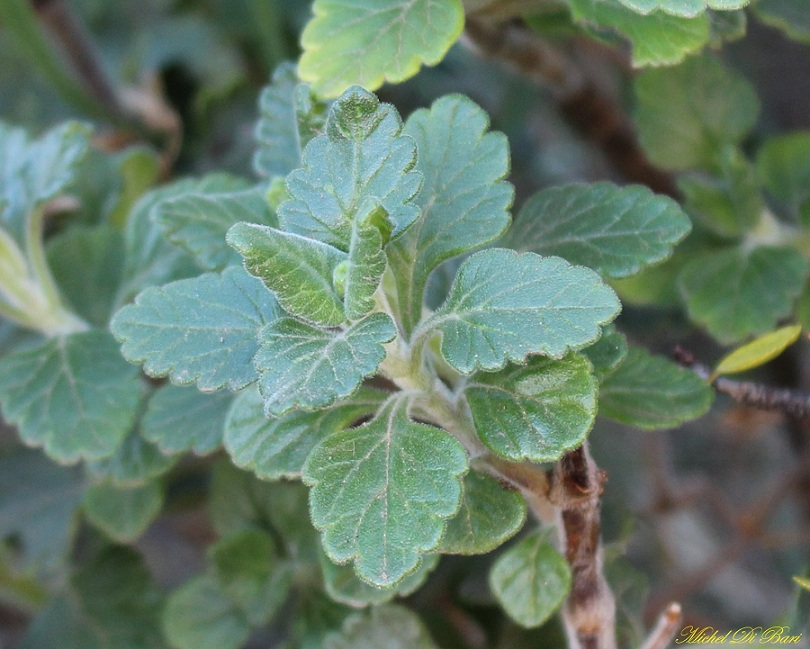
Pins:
x,y
596,116
589,613
668,625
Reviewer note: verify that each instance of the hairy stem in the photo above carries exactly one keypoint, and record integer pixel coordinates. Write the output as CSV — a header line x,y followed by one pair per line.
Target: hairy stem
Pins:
x,y
589,614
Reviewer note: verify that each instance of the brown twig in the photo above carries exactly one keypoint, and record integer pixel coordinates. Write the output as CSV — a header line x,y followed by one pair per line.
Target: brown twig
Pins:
x,y
582,102
589,613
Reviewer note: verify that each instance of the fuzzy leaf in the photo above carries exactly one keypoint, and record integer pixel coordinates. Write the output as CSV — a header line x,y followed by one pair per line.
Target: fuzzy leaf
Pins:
x,y
278,447
381,493
251,574
687,114
301,366
535,411
530,580
363,155
783,166
758,351
342,584
298,270
607,352
367,42
74,396
383,627
201,330
199,615
683,7
735,293
464,199
652,392
198,222
657,38
788,15
489,516
134,463
38,502
614,230
123,514
180,419
279,151
366,262
503,306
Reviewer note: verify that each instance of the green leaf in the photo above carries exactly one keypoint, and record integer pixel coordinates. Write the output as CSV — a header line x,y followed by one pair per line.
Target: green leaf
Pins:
x,y
278,447
35,171
788,15
38,502
298,270
198,222
530,580
251,574
729,204
343,585
687,114
74,396
489,516
367,42
614,230
366,262
278,152
134,463
652,392
735,292
657,38
123,514
382,627
804,583
86,263
504,306
683,7
301,366
201,330
783,167
607,352
363,155
758,351
535,411
180,419
199,615
112,604
464,200
381,493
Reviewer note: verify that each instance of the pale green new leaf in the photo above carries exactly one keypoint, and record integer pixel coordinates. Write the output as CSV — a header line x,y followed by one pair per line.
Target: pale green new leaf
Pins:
x,y
123,513
363,155
199,615
652,392
683,7
657,38
783,167
343,585
381,493
198,222
735,293
383,627
180,419
759,351
251,574
367,42
614,230
489,516
297,269
503,306
464,199
301,366
530,580
201,330
535,411
366,262
688,113
277,447
38,503
74,396
788,15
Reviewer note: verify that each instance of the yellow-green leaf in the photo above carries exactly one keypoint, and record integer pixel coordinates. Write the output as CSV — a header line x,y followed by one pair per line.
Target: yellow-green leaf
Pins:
x,y
759,351
804,583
